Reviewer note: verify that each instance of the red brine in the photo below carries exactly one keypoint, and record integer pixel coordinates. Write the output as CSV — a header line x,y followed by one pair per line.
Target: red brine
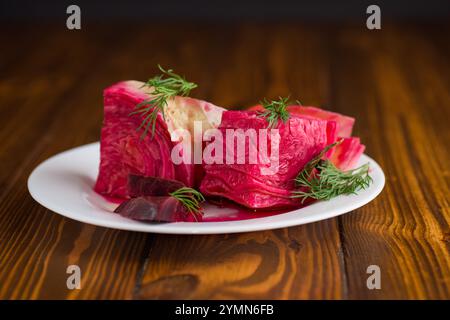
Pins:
x,y
151,186
156,209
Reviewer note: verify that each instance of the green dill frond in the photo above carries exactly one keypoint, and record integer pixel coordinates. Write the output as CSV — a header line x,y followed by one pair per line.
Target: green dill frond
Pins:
x,y
190,199
275,110
321,180
329,182
312,164
165,86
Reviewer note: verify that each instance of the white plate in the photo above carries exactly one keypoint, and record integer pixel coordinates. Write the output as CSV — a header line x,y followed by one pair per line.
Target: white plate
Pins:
x,y
64,183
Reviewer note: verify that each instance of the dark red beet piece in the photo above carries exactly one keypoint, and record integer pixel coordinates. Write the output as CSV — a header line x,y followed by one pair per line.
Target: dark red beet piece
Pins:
x,y
151,186
156,209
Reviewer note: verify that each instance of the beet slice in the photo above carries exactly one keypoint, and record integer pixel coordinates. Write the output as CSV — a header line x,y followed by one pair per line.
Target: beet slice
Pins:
x,y
344,123
156,209
347,154
151,186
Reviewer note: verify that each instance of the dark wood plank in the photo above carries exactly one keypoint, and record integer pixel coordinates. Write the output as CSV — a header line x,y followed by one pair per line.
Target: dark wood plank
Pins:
x,y
280,264
395,82
37,245
390,81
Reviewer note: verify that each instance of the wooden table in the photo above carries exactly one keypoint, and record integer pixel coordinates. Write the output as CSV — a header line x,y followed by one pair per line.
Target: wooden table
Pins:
x,y
395,82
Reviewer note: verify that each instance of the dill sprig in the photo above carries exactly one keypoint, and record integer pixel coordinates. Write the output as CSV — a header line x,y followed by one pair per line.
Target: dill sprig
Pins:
x,y
165,86
275,110
321,179
190,199
312,164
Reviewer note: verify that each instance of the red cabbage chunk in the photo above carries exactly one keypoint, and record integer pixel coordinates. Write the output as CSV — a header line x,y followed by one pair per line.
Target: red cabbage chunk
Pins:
x,y
123,152
248,184
344,156
156,209
347,153
151,186
344,124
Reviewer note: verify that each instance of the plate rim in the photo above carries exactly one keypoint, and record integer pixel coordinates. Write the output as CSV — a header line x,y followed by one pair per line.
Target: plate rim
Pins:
x,y
220,227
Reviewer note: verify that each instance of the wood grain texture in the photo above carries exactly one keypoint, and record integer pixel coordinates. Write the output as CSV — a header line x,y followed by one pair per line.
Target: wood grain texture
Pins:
x,y
395,82
405,231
